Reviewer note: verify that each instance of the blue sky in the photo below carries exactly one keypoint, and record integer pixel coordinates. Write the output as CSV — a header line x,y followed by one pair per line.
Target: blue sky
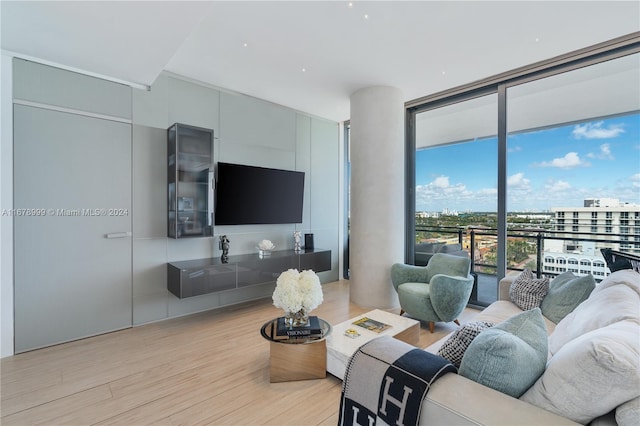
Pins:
x,y
556,167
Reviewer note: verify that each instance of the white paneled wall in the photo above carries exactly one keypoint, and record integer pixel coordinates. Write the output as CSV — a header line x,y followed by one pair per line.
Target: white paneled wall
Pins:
x,y
246,131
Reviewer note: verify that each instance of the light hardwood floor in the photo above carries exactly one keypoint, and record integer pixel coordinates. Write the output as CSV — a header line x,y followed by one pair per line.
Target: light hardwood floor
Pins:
x,y
206,368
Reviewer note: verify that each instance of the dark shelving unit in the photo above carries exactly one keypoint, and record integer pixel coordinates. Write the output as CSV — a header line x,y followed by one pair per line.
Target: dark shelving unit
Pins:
x,y
201,276
190,181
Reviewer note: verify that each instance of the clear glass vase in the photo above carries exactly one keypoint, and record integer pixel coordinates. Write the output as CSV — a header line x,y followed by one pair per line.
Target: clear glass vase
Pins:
x,y
297,319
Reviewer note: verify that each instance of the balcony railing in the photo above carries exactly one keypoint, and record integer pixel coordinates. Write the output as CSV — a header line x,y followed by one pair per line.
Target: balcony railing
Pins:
x,y
578,252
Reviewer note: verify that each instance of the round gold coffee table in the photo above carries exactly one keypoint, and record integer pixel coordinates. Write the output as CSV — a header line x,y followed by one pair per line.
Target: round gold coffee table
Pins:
x,y
296,359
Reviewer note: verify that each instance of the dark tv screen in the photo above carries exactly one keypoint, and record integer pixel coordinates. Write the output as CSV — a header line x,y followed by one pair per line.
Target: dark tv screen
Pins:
x,y
258,195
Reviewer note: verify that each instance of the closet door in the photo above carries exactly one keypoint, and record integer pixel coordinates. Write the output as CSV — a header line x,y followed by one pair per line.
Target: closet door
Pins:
x,y
73,250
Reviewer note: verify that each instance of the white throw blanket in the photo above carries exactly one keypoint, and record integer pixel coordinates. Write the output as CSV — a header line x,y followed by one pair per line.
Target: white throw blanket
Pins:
x,y
386,382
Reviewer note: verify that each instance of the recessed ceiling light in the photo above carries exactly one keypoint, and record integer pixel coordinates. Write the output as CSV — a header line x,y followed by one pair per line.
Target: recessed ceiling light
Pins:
x,y
350,4
366,16
444,72
537,39
304,70
245,45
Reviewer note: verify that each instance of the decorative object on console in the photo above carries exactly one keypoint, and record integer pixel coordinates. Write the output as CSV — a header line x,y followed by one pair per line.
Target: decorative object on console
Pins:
x,y
224,246
298,293
265,247
308,241
297,236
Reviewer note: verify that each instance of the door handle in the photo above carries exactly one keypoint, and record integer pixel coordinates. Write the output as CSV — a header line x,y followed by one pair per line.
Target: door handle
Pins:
x,y
118,234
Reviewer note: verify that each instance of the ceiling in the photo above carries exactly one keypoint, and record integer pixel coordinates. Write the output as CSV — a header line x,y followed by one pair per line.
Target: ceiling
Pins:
x,y
308,55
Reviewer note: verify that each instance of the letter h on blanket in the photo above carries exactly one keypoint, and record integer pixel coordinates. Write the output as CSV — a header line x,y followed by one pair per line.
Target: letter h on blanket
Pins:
x,y
386,381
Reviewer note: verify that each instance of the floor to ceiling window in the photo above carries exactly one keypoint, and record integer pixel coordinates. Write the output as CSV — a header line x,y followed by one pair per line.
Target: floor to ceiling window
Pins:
x,y
456,180
574,167
527,169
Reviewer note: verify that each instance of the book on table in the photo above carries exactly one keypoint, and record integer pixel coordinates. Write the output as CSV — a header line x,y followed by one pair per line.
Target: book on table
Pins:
x,y
371,324
310,331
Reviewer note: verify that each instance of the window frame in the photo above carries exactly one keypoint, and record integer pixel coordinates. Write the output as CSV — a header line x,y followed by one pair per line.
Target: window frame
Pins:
x,y
612,49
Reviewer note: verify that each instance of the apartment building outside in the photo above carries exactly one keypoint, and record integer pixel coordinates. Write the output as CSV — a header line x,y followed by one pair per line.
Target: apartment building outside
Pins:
x,y
609,222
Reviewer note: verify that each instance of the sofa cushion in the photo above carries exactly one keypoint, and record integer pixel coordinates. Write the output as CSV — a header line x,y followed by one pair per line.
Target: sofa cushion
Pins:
x,y
510,356
626,277
502,310
428,247
591,375
527,291
450,248
566,291
610,305
628,413
455,346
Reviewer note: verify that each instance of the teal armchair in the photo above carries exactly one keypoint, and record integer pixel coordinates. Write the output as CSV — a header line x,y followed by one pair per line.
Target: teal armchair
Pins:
x,y
434,293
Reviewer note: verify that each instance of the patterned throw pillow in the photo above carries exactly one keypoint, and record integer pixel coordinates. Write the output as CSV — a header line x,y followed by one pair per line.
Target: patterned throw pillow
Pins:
x,y
454,347
527,292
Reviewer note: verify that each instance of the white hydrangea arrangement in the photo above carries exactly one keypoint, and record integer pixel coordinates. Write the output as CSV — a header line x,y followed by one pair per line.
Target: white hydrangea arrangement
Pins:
x,y
266,245
297,291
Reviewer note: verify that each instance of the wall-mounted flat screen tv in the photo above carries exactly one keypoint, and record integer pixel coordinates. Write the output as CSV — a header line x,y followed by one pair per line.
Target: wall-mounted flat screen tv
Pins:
x,y
258,195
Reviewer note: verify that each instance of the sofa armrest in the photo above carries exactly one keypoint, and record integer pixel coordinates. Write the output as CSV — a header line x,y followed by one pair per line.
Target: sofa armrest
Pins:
x,y
456,400
503,287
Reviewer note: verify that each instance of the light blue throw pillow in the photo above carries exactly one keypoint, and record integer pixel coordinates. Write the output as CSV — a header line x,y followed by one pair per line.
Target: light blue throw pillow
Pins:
x,y
566,292
510,356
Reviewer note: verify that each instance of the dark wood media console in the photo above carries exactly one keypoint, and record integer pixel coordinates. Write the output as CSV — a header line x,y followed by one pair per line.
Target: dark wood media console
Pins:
x,y
201,276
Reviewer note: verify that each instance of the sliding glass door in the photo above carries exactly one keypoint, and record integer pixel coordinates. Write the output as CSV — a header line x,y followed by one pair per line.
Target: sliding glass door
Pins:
x,y
573,167
456,184
534,168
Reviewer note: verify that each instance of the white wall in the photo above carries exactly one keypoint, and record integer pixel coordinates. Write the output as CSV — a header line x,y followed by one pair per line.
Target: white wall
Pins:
x,y
247,130
6,203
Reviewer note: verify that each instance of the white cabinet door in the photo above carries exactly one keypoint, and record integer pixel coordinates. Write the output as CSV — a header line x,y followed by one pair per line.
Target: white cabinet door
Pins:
x,y
73,248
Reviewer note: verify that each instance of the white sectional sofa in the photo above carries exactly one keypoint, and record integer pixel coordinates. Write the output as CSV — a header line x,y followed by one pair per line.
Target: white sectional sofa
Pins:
x,y
591,376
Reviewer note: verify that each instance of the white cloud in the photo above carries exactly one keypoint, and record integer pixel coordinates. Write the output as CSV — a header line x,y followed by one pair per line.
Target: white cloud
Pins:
x,y
516,148
518,181
569,161
442,186
440,182
440,189
604,154
557,186
488,192
635,180
596,131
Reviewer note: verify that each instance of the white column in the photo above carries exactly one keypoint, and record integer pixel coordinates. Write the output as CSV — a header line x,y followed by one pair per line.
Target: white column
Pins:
x,y
376,238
